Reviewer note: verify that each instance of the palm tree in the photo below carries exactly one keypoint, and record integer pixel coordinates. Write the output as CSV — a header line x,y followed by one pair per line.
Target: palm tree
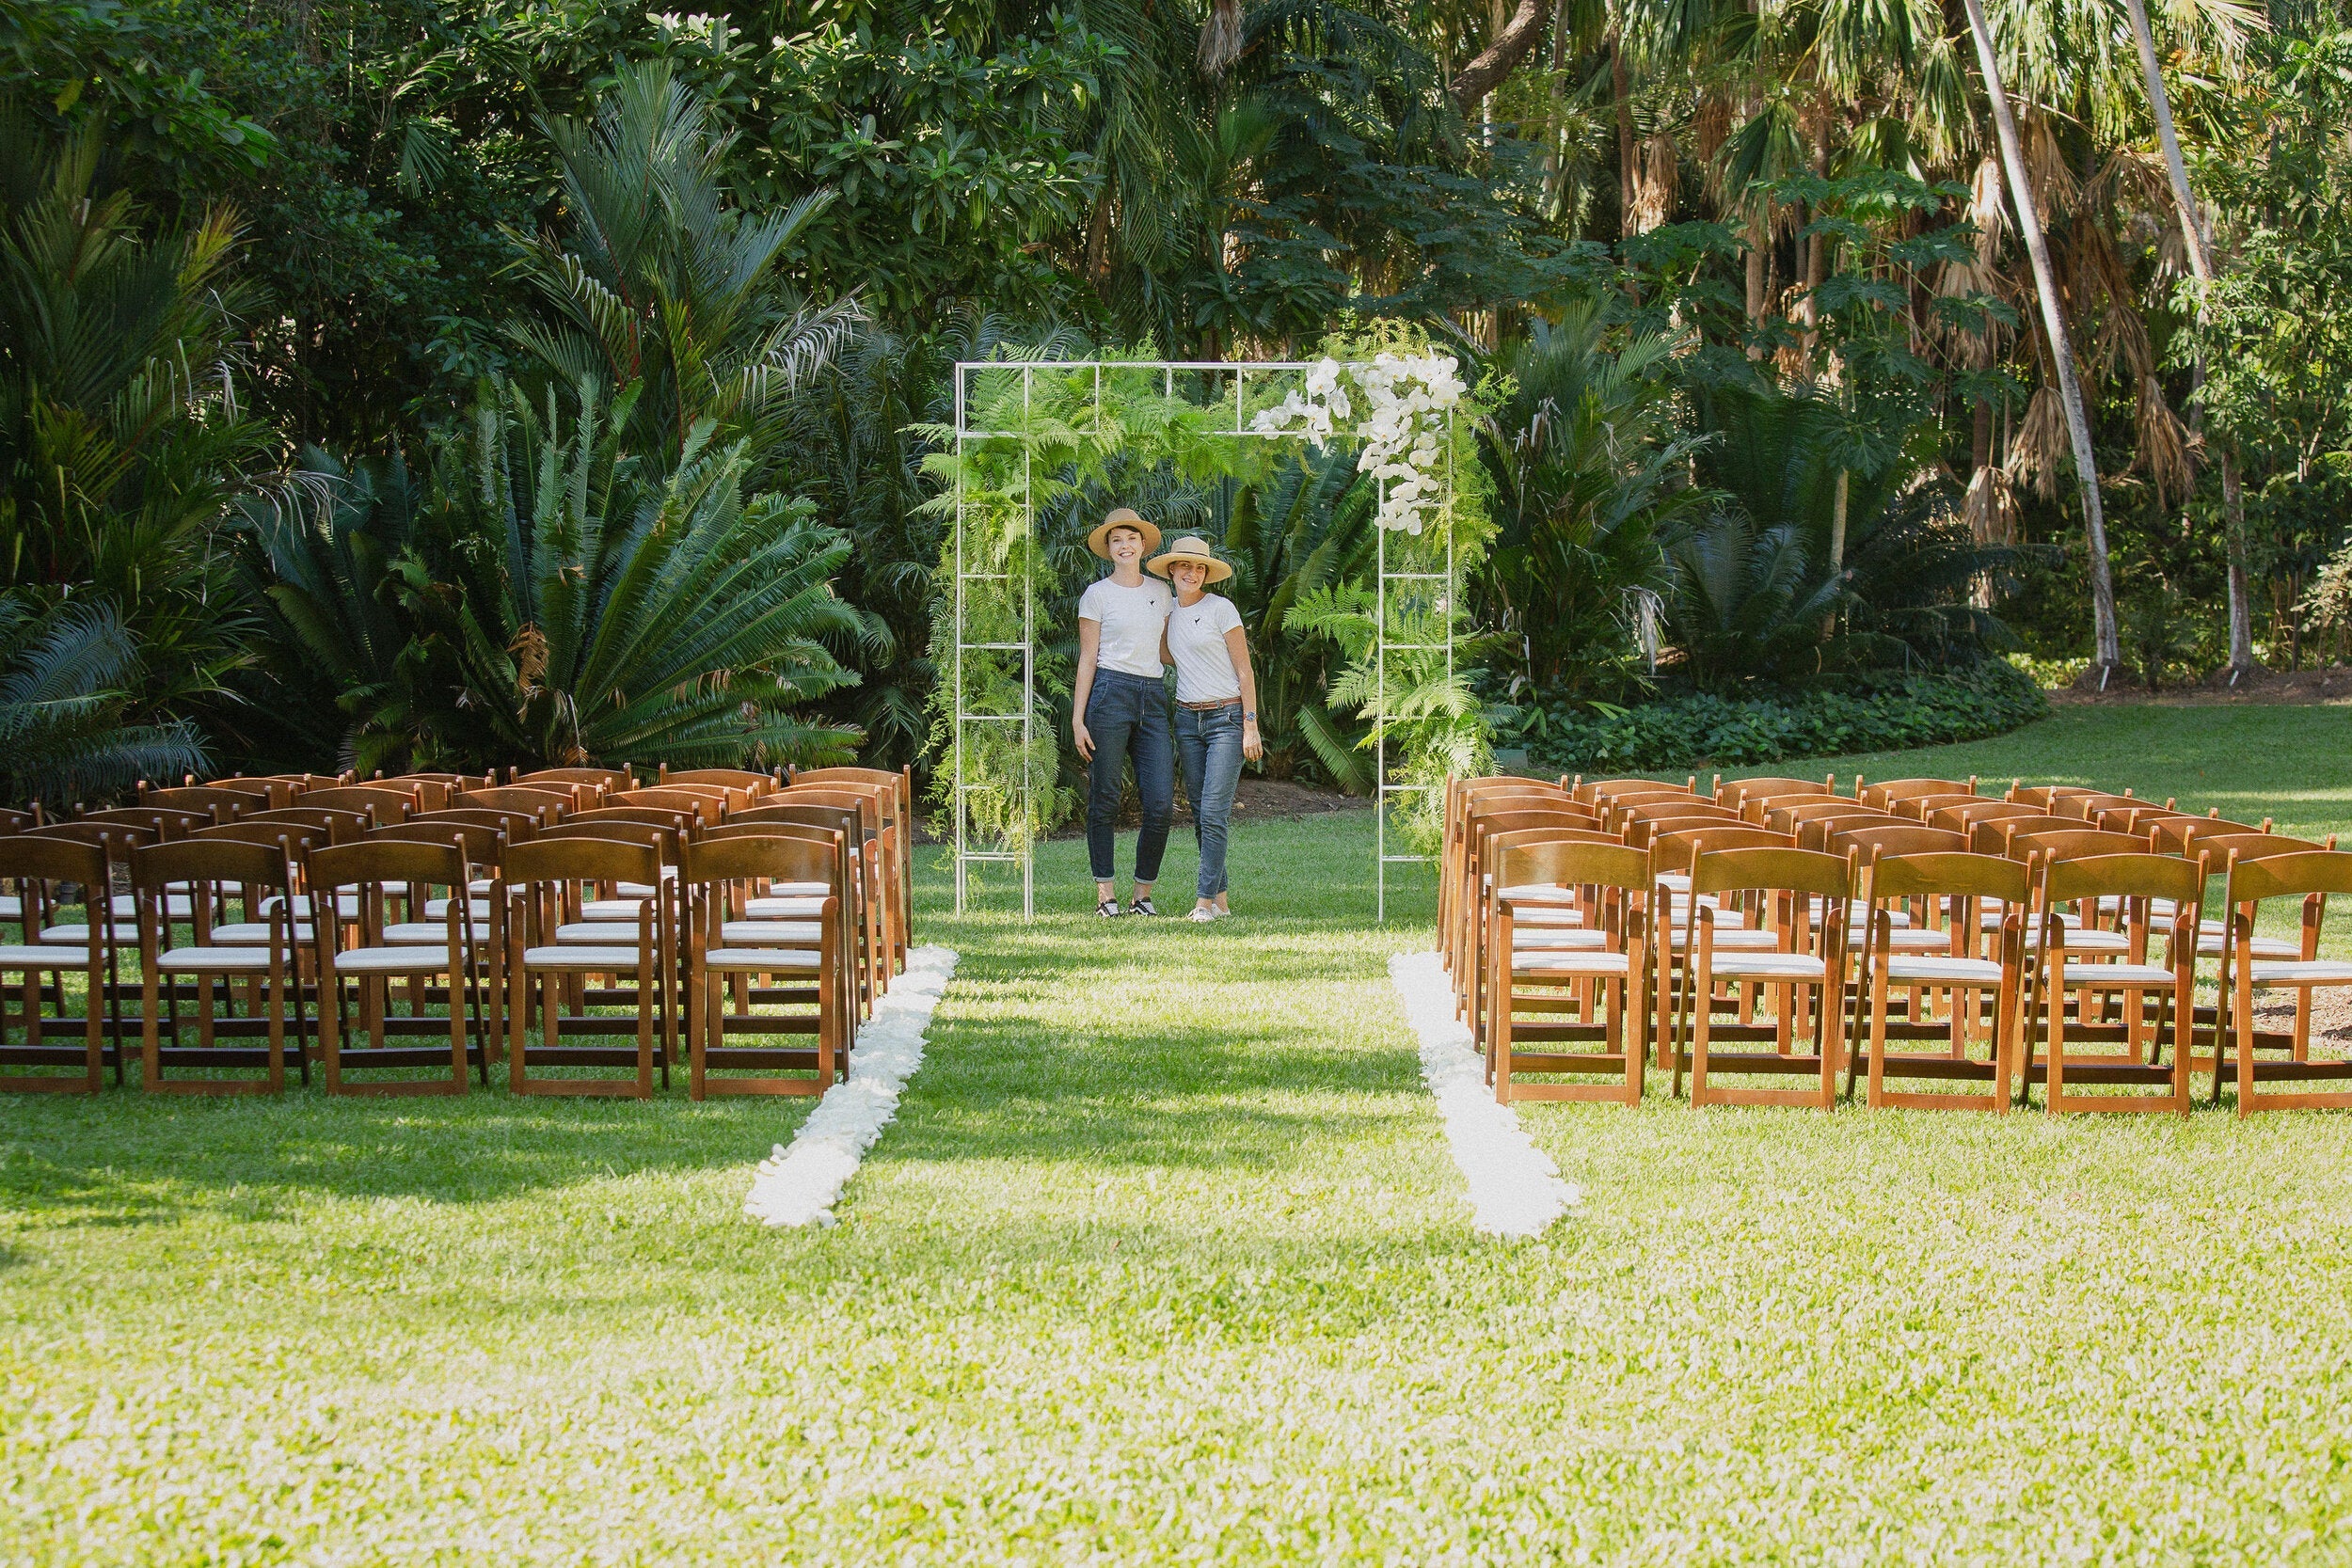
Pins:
x,y
66,675
2199,247
2108,654
658,283
581,606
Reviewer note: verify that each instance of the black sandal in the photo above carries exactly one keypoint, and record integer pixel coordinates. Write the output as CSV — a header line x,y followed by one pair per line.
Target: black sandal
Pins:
x,y
1108,907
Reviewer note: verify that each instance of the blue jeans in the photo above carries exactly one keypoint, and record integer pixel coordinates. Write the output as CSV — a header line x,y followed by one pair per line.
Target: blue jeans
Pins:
x,y
1128,715
1208,741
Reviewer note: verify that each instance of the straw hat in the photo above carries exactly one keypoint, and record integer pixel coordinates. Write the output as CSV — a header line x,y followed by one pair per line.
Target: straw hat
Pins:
x,y
1099,541
1191,548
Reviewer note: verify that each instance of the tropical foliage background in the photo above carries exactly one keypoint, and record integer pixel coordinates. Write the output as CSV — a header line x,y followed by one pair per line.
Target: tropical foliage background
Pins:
x,y
474,382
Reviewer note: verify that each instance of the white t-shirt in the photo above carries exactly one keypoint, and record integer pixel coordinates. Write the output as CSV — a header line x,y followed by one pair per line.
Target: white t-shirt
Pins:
x,y
1195,636
1131,619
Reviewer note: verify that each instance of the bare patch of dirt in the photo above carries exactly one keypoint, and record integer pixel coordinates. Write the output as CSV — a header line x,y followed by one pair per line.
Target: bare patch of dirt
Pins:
x,y
2331,1017
2256,687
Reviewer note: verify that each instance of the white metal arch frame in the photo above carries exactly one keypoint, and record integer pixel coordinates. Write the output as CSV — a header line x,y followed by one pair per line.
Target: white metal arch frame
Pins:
x,y
1401,583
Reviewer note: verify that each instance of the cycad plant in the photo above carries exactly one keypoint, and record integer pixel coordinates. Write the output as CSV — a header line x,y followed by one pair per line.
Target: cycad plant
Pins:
x,y
123,444
575,606
660,286
66,675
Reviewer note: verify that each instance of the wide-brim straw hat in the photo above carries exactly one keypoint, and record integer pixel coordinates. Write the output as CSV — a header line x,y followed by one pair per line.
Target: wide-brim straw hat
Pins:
x,y
1191,548
1100,540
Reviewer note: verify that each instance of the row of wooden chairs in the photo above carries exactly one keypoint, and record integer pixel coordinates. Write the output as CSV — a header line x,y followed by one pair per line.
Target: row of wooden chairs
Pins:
x,y
2050,935
268,907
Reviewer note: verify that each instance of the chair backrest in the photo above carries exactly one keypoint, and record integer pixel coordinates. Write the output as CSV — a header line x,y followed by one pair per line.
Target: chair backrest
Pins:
x,y
2087,806
381,805
1679,800
1920,807
776,830
14,821
271,793
1814,832
1788,815
165,821
1890,791
544,804
1641,831
1963,816
843,823
1736,792
1992,837
1573,862
2298,875
211,860
39,866
677,819
2076,843
1940,874
341,827
297,839
867,802
117,838
589,858
519,826
1672,851
2217,848
1601,789
770,857
2180,835
225,802
754,783
2045,796
1904,839
1774,869
595,778
706,805
2139,874
1499,844
388,859
664,840
485,847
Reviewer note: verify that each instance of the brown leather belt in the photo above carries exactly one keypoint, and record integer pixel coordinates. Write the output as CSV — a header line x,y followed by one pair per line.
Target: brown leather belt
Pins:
x,y
1212,706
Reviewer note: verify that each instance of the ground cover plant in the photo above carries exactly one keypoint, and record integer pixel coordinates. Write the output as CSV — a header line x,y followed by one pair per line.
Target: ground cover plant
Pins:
x,y
1163,1261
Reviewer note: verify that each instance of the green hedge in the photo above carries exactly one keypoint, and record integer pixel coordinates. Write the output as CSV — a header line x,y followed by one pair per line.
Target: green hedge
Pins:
x,y
1865,713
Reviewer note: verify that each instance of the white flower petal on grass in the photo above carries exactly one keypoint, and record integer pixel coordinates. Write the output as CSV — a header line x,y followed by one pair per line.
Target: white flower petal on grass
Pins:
x,y
1515,1189
799,1185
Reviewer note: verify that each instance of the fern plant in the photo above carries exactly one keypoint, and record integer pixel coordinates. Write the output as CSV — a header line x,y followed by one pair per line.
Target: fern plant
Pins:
x,y
67,673
579,609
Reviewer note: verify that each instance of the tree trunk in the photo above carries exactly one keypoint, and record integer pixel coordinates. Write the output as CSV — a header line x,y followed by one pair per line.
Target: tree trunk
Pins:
x,y
1815,253
1494,65
1556,167
2201,262
1620,88
2110,651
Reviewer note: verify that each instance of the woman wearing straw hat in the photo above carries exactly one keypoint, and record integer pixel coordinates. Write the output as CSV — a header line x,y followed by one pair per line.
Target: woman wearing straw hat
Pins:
x,y
1216,705
1120,707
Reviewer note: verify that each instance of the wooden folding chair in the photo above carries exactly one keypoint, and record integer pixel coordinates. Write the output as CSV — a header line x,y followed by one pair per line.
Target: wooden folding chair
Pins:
x,y
53,877
1962,883
2136,879
1803,959
541,891
865,949
1670,903
901,785
806,901
2252,880
369,870
1459,793
219,870
1550,917
883,825
720,877
1483,819
1605,981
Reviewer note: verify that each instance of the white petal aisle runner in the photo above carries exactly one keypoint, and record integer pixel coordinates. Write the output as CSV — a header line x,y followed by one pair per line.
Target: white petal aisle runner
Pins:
x,y
799,1185
1515,1189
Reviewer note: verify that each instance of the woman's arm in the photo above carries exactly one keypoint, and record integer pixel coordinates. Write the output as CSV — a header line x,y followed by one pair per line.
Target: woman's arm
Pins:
x,y
1237,645
1089,645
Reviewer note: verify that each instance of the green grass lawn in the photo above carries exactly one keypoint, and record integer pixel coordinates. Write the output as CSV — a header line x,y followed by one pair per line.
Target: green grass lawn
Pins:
x,y
1163,1261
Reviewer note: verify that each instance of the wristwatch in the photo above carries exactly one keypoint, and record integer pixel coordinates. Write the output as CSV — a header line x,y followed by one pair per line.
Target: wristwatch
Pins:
x,y
1248,716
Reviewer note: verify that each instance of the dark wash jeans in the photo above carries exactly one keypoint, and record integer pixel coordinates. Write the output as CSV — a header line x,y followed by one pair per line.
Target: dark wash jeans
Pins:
x,y
1127,715
1208,744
